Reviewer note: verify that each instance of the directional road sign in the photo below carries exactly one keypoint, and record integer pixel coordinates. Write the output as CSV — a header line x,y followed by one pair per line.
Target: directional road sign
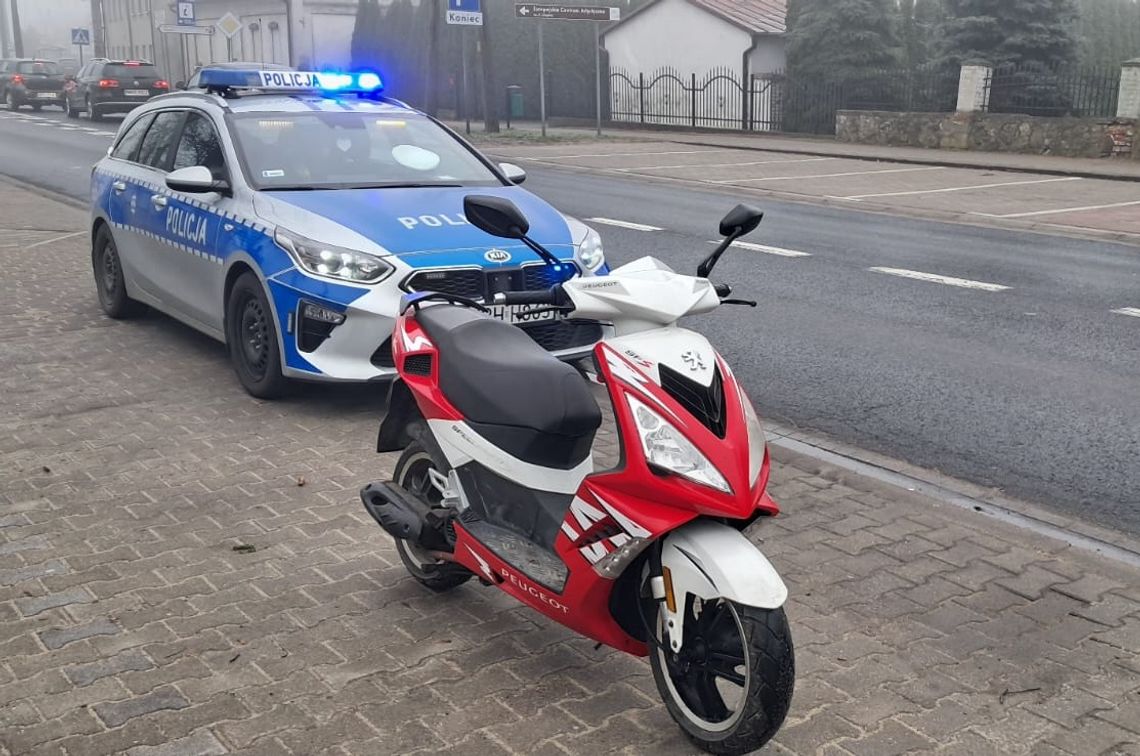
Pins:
x,y
201,31
186,13
464,12
80,36
567,12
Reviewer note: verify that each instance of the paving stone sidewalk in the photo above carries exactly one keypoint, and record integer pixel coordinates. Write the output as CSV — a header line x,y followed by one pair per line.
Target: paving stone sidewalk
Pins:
x,y
134,471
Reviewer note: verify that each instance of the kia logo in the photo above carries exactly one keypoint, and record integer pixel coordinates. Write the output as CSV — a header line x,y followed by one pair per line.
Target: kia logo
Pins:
x,y
497,256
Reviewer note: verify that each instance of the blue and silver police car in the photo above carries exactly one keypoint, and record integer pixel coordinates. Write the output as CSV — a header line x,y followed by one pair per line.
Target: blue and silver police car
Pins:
x,y
285,213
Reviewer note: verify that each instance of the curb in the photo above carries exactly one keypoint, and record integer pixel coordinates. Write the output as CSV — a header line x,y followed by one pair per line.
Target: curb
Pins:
x,y
788,443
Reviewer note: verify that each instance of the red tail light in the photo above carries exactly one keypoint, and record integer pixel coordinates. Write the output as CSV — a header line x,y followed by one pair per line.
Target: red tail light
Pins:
x,y
162,84
17,79
108,83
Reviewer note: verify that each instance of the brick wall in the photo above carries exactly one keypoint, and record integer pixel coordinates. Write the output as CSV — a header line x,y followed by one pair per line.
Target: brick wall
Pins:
x,y
1066,137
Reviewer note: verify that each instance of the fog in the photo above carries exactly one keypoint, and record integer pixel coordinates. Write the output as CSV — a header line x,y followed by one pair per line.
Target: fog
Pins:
x,y
47,25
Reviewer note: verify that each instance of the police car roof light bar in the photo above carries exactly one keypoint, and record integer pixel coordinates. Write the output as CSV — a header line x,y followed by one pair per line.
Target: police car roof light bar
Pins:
x,y
227,81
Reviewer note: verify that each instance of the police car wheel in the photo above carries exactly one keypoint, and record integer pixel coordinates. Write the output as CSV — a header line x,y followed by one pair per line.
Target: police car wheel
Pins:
x,y
252,338
109,281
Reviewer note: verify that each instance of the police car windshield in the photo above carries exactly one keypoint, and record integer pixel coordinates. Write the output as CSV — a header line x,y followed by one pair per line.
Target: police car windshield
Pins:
x,y
353,150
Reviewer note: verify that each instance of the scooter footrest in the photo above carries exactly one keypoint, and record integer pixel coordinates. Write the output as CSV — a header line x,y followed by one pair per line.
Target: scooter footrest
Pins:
x,y
529,558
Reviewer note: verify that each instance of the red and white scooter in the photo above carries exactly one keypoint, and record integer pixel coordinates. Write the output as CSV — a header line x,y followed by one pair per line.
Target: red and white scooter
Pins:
x,y
497,481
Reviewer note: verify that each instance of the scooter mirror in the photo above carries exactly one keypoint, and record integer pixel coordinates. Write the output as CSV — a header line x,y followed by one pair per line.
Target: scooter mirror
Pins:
x,y
740,221
495,215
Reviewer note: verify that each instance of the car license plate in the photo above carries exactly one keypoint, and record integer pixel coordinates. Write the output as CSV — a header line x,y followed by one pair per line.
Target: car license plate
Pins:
x,y
521,315
46,95
138,93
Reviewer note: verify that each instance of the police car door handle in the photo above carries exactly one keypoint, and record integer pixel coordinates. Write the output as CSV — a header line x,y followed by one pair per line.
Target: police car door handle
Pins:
x,y
119,186
158,200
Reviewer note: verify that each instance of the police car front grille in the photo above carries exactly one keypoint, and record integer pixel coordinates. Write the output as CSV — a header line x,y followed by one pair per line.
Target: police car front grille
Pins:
x,y
470,283
483,284
544,276
558,335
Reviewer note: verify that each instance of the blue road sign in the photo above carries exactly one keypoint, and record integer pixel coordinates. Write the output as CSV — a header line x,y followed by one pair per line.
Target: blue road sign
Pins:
x,y
186,13
80,36
464,12
466,6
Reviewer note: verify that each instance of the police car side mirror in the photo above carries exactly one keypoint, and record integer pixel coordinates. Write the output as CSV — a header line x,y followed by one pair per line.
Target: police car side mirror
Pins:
x,y
195,179
495,215
513,173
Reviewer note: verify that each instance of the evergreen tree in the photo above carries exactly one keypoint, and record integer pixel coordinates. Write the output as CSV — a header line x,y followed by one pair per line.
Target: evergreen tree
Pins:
x,y
1109,32
842,40
1024,32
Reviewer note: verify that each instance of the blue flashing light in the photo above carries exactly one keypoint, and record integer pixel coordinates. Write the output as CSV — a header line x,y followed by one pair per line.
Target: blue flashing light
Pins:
x,y
369,81
364,82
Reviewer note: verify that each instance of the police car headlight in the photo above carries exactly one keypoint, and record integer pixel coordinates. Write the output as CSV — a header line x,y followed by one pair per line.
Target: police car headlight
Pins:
x,y
590,251
331,261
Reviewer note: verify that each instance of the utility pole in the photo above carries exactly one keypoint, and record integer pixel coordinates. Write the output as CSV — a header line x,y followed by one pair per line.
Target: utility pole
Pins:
x,y
98,34
431,92
490,85
17,36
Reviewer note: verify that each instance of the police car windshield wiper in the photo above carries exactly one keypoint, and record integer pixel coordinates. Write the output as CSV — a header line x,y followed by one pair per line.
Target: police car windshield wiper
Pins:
x,y
403,185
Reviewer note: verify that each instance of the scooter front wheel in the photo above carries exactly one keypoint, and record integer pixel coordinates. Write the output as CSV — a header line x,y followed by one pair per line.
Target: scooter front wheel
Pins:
x,y
413,473
730,685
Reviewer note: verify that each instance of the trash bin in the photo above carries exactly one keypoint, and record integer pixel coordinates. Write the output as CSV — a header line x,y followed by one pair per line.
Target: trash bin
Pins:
x,y
514,103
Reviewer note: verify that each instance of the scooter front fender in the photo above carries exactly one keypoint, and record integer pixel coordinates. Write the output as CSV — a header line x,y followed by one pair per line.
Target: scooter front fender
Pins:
x,y
711,560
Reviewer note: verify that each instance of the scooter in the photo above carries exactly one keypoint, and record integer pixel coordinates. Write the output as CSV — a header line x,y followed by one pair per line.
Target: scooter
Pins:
x,y
497,481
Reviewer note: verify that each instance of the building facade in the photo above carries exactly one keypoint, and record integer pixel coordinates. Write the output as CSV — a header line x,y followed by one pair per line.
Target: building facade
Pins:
x,y
302,33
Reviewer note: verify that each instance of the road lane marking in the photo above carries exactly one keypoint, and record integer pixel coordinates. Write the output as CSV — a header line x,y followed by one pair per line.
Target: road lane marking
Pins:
x,y
723,165
56,239
858,197
964,283
1063,210
630,154
1133,312
831,175
778,251
624,224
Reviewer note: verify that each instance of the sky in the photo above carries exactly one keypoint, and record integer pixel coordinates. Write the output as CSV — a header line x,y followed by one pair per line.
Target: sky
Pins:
x,y
48,23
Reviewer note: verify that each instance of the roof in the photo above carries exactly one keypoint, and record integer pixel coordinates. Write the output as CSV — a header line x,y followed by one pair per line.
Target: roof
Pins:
x,y
753,16
757,16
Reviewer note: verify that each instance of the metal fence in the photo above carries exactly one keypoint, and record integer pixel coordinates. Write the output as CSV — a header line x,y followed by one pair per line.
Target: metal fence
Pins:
x,y
772,102
1041,91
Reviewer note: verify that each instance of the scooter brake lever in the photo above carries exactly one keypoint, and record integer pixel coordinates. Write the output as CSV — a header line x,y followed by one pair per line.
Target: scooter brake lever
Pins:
x,y
742,302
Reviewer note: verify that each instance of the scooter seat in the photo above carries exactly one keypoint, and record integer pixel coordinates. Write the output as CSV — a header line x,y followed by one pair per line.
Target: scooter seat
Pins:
x,y
512,391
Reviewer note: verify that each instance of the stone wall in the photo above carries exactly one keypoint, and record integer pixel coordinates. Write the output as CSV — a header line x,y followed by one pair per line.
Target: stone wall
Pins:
x,y
1066,137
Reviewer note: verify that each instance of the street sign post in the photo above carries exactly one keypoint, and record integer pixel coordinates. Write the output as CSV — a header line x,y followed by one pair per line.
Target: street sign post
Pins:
x,y
80,38
464,12
596,13
186,13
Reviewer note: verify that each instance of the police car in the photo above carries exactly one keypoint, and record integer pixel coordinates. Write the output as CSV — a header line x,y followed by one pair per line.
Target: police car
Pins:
x,y
286,213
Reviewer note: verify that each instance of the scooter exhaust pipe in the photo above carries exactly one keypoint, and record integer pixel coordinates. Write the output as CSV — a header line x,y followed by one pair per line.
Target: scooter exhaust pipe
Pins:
x,y
405,517
400,514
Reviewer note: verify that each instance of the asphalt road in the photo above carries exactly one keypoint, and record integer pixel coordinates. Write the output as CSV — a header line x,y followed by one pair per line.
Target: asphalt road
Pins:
x,y
1033,388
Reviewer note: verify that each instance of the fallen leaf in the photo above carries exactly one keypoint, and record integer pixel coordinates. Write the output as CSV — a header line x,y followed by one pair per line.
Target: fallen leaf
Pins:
x,y
245,548
46,469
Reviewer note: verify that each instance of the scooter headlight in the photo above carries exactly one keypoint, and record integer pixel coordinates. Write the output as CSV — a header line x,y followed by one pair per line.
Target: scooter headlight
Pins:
x,y
757,441
590,251
665,447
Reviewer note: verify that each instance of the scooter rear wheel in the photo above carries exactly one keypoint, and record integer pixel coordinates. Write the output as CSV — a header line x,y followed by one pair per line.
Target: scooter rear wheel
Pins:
x,y
413,475
730,686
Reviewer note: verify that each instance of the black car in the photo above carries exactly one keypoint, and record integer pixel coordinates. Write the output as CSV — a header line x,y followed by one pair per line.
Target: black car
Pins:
x,y
112,86
30,82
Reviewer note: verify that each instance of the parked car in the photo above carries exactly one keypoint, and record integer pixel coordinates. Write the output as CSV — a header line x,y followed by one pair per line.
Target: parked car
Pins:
x,y
112,86
31,82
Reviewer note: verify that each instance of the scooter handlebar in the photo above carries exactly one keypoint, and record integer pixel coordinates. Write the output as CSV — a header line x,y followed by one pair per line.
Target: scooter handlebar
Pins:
x,y
553,297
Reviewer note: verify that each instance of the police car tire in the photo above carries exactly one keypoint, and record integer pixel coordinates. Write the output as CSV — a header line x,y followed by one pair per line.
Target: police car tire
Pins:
x,y
109,281
269,382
